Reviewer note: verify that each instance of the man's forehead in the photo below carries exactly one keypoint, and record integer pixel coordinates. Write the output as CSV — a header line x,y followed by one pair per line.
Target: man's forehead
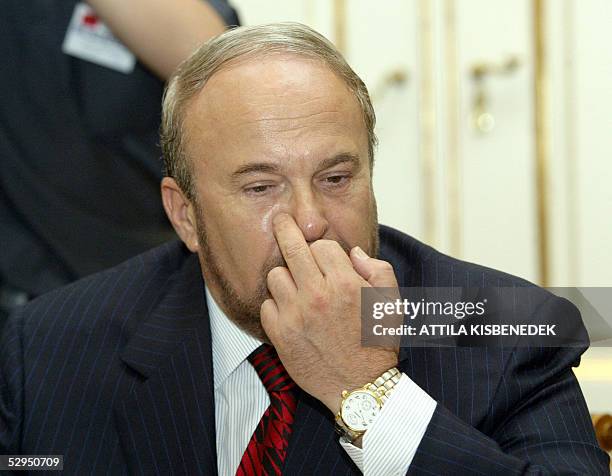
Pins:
x,y
277,107
277,86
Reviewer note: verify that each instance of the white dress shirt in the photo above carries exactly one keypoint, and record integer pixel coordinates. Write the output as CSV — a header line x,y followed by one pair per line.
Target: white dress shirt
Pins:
x,y
241,400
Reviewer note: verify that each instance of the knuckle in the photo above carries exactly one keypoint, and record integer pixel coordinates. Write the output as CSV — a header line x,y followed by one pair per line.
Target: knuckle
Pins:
x,y
344,282
324,245
383,273
275,274
295,250
264,310
267,309
317,246
383,268
386,267
318,301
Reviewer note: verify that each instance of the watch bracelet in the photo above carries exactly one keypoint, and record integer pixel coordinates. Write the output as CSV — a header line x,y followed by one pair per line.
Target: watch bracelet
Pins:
x,y
383,386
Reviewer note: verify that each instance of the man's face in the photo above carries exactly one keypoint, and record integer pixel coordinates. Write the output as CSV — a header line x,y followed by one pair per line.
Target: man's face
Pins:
x,y
270,135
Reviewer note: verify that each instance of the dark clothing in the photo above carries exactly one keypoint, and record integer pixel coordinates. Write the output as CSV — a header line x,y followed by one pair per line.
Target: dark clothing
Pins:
x,y
115,373
80,162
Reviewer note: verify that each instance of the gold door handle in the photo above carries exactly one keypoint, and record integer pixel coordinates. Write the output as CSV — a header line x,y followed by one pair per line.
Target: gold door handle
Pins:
x,y
603,430
397,77
483,119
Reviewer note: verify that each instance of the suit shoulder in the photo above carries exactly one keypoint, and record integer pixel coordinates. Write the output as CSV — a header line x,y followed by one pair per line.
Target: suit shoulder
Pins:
x,y
109,301
418,264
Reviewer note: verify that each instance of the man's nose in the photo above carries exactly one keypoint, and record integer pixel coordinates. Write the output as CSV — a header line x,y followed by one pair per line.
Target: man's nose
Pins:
x,y
309,214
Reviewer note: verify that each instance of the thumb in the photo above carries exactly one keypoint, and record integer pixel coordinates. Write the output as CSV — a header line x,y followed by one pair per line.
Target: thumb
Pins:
x,y
378,273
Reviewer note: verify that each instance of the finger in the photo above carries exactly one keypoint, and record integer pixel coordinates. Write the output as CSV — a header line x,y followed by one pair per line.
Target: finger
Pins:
x,y
268,315
330,257
295,250
377,273
281,287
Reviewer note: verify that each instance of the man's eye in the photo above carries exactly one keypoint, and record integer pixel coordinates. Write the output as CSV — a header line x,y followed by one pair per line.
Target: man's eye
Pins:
x,y
258,189
337,179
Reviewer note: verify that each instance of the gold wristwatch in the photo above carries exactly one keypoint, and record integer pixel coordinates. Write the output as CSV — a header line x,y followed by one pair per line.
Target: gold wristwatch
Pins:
x,y
360,407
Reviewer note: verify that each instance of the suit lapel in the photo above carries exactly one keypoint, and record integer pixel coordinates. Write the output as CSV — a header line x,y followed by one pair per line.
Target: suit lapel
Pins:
x,y
166,419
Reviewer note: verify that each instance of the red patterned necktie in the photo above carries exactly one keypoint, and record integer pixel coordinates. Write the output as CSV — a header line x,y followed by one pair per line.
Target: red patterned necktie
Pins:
x,y
267,449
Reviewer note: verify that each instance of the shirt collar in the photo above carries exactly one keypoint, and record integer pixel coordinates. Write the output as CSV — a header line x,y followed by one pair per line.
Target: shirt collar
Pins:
x,y
230,344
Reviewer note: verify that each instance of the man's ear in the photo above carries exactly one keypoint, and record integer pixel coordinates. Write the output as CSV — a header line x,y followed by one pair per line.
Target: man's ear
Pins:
x,y
181,213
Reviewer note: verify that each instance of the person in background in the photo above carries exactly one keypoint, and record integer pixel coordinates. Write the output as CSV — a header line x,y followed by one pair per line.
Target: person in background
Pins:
x,y
79,116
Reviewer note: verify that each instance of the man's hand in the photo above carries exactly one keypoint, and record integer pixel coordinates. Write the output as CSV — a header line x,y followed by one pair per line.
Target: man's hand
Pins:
x,y
313,319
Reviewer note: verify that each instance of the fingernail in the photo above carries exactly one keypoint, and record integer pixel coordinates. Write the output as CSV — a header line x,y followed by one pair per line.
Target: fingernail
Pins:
x,y
360,253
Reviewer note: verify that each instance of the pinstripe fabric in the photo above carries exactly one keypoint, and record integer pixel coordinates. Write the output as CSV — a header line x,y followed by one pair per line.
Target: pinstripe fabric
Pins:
x,y
115,372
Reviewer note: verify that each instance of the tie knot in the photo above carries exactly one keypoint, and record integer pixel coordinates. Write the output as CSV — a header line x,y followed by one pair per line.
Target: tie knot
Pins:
x,y
270,369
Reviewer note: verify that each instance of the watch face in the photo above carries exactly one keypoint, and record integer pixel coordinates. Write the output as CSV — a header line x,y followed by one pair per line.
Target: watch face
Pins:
x,y
359,410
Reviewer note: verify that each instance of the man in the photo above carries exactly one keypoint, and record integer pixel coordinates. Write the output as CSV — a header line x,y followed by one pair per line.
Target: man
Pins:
x,y
79,120
164,364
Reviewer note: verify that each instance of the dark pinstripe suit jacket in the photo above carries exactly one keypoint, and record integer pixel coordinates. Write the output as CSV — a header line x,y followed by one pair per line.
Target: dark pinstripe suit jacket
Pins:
x,y
115,373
